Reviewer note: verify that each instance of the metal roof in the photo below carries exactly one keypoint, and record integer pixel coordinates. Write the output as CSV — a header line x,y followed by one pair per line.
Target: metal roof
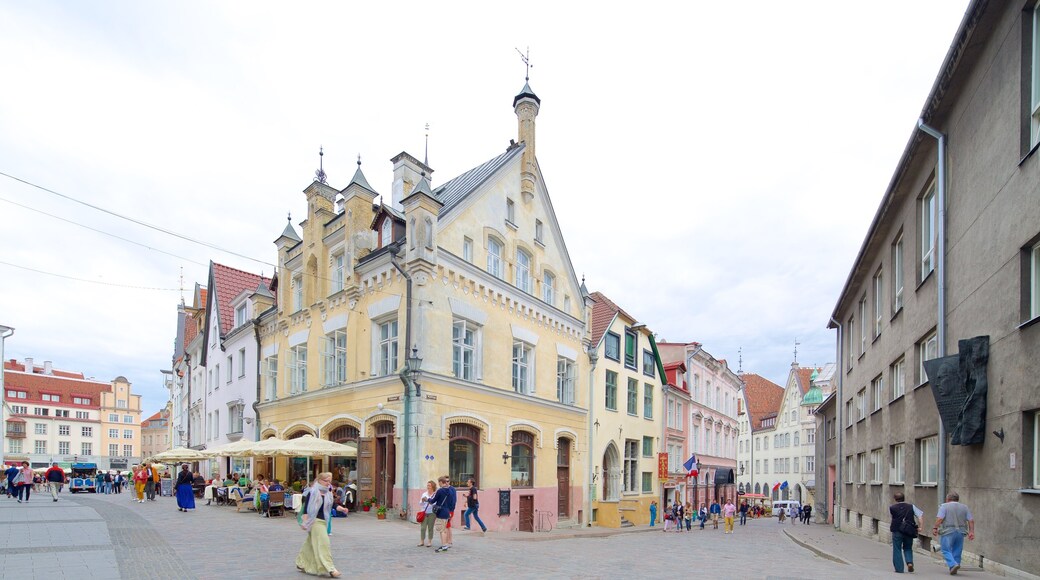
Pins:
x,y
455,190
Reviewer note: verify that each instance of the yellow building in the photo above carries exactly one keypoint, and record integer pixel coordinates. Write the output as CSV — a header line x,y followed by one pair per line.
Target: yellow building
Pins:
x,y
471,276
120,425
626,415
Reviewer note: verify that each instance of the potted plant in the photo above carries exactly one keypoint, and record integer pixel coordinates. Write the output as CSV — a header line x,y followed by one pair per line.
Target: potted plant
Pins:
x,y
367,504
381,512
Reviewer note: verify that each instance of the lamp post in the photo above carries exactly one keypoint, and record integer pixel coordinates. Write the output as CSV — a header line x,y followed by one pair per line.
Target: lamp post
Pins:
x,y
696,485
5,331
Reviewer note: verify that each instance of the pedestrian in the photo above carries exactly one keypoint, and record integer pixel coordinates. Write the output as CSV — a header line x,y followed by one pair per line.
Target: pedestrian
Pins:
x,y
55,477
702,514
669,519
11,473
780,516
263,496
728,511
428,517
185,492
140,477
677,515
688,516
715,510
792,513
444,502
743,512
108,483
315,555
653,512
24,481
952,523
904,528
807,514
472,506
151,478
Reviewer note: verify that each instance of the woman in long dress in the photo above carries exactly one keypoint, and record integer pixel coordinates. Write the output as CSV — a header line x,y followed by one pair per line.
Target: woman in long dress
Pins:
x,y
315,555
185,492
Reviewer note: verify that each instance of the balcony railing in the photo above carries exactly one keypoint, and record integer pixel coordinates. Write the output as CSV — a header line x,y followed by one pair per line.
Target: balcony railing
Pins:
x,y
15,433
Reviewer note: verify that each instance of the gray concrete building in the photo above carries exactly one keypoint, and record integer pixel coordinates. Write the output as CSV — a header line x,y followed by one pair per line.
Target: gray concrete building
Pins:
x,y
953,253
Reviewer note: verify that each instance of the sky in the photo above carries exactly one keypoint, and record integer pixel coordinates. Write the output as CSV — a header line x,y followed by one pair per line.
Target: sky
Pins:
x,y
714,166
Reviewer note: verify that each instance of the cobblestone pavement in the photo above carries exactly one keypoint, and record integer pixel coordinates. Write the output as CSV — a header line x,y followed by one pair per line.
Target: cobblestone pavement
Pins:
x,y
108,536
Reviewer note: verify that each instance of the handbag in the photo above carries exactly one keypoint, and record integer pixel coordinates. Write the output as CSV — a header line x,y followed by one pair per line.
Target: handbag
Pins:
x,y
419,517
908,528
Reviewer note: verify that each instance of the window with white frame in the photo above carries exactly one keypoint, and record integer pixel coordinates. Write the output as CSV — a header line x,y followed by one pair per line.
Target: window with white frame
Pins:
x,y
1031,294
297,369
388,350
128,451
795,466
230,371
523,367
631,472
898,378
848,473
215,431
271,377
538,231
877,386
241,314
523,271
875,466
64,430
633,396
848,413
464,335
1036,450
849,341
14,445
879,290
863,325
1034,85
897,274
549,288
898,472
861,460
339,271
861,404
40,447
235,418
121,403
297,292
810,436
335,358
40,429
494,257
51,398
928,453
113,433
128,434
113,450
565,371
510,211
86,431
928,231
679,422
927,349
796,439
86,449
386,233
810,464
648,405
467,249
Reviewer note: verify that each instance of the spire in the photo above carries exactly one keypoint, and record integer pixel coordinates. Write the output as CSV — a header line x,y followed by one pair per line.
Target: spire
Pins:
x,y
526,91
584,290
319,175
290,231
359,177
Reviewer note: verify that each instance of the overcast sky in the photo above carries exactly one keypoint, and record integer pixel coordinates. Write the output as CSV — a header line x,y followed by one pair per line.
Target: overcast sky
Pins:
x,y
713,165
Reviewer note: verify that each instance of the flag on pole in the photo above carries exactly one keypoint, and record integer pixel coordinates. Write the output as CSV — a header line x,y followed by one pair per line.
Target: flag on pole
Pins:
x,y
783,485
777,486
691,466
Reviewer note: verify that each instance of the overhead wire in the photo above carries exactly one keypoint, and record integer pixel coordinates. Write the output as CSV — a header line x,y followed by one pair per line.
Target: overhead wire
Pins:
x,y
86,280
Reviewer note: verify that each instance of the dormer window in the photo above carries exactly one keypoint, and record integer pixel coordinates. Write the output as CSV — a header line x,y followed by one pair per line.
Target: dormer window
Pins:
x,y
241,314
386,233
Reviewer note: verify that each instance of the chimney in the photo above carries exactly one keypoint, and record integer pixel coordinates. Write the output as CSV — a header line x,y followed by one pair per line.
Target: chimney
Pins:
x,y
29,368
47,368
407,172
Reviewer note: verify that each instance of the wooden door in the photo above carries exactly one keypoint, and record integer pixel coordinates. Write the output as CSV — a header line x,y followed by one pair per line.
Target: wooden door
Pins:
x,y
527,513
366,467
389,471
563,479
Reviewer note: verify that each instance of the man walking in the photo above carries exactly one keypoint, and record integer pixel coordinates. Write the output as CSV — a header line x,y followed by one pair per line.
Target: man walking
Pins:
x,y
472,507
149,484
728,511
743,513
806,514
11,473
715,509
444,499
952,523
55,479
904,528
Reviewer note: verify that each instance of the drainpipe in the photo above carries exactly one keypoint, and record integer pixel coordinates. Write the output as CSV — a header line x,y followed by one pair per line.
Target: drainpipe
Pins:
x,y
187,432
593,359
838,429
256,402
405,374
5,333
940,267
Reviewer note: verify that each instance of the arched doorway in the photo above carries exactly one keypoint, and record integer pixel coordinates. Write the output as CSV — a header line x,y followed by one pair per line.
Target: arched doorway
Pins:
x,y
464,454
385,462
611,473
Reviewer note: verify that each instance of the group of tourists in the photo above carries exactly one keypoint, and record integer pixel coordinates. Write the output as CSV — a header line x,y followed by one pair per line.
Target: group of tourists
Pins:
x,y
678,514
953,523
795,513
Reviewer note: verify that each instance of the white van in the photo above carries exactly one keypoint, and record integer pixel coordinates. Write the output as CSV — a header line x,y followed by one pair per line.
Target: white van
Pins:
x,y
785,505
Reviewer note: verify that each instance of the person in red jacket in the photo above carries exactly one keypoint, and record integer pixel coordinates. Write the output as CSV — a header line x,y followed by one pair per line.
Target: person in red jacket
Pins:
x,y
55,477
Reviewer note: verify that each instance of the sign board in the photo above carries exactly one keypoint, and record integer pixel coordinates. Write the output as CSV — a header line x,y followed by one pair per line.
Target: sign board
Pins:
x,y
166,487
504,506
662,466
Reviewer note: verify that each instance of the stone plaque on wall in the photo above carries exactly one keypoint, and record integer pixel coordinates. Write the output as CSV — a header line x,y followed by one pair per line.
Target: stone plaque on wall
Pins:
x,y
960,385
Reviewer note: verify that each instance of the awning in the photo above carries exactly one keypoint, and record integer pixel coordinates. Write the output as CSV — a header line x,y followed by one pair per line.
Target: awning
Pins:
x,y
724,476
811,484
15,420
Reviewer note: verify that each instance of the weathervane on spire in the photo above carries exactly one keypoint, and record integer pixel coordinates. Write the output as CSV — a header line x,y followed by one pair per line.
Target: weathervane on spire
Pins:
x,y
740,360
526,57
796,343
426,153
319,175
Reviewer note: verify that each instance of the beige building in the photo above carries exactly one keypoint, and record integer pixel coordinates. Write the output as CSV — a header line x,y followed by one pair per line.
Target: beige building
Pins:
x,y
155,433
120,426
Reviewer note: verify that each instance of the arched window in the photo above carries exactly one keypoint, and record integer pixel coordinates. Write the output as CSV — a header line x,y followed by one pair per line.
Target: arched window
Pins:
x,y
796,439
386,234
344,434
523,459
464,454
758,488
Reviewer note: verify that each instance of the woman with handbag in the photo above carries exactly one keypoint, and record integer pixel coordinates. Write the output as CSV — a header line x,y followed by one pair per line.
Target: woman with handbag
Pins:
x,y
425,516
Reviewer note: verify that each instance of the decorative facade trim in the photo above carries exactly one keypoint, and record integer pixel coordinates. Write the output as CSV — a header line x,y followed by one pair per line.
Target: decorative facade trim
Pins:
x,y
523,426
336,421
471,419
566,432
381,415
292,428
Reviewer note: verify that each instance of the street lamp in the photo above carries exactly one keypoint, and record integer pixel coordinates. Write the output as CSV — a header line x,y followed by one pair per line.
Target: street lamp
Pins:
x,y
414,363
5,331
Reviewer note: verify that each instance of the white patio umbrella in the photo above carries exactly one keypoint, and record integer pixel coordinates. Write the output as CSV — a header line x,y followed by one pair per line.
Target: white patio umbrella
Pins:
x,y
306,446
231,449
177,454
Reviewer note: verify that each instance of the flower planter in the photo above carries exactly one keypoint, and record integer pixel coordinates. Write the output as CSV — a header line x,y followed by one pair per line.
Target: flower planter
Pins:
x,y
381,516
366,508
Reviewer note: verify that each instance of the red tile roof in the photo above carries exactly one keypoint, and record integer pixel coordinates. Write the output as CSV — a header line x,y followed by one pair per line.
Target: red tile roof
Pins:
x,y
191,330
228,283
763,396
603,311
802,376
36,384
14,365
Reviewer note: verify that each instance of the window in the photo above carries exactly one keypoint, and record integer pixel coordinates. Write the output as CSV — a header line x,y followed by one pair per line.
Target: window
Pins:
x,y
671,414
113,433
63,430
86,449
128,434
610,391
696,388
631,469
897,274
388,347
86,431
339,271
633,396
566,303
796,439
861,404
464,336
631,339
927,349
522,459
335,358
271,376
538,232
875,466
861,459
928,214
648,482
877,386
467,250
12,394
241,362
113,418
215,428
40,447
878,295
796,470
523,368
928,452
523,271
297,367
648,446
898,472
679,415
612,346
240,315
494,258
810,464
898,378
549,288
52,398
113,450
649,364
40,428
810,436
216,380
849,341
1034,101
464,454
386,233
863,325
128,451
565,369
229,373
510,211
297,292
235,418
61,412
1031,271
1036,450
648,403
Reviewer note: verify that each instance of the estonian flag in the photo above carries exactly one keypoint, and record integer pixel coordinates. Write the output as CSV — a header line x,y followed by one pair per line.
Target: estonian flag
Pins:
x,y
691,466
